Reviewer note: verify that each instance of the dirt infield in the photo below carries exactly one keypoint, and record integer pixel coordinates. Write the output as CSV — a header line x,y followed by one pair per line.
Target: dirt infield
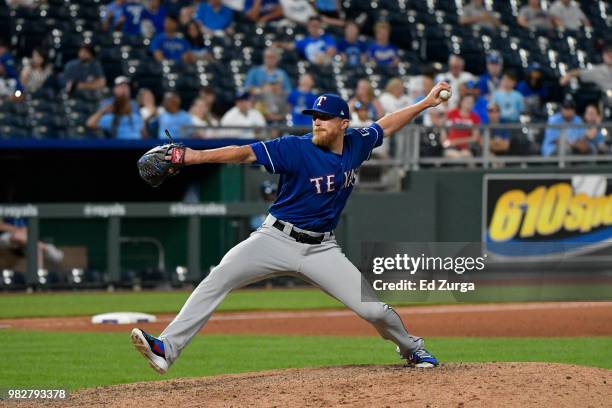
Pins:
x,y
451,385
507,320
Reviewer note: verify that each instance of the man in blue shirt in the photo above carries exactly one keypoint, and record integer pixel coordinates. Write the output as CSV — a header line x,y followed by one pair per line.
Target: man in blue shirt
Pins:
x,y
174,118
133,14
381,52
317,47
490,80
510,101
258,76
351,47
317,174
170,44
118,120
574,135
300,99
214,16
155,12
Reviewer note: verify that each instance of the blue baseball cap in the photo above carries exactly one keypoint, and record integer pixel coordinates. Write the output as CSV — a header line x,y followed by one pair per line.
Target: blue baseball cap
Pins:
x,y
329,104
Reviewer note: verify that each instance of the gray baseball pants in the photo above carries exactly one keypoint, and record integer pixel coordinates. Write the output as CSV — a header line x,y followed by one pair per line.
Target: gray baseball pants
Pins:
x,y
270,252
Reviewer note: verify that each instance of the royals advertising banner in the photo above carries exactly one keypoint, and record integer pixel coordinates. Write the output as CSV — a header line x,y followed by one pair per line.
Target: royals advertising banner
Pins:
x,y
549,217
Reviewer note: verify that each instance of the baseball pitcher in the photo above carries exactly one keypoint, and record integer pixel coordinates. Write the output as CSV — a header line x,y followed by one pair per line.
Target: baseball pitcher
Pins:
x,y
317,174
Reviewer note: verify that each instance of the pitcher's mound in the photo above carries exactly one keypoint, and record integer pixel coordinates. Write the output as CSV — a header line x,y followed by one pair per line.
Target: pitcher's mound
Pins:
x,y
451,385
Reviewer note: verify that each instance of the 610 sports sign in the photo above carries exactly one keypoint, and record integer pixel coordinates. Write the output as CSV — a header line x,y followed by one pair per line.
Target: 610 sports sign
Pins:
x,y
545,216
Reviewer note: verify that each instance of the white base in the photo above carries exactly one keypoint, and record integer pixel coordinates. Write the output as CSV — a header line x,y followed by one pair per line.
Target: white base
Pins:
x,y
123,318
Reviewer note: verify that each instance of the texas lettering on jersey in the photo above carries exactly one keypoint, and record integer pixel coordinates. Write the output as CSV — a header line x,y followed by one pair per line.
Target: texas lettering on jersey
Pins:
x,y
314,183
329,185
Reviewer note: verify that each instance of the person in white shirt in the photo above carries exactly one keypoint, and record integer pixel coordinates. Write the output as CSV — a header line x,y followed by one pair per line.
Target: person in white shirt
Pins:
x,y
455,77
242,114
201,118
394,97
568,15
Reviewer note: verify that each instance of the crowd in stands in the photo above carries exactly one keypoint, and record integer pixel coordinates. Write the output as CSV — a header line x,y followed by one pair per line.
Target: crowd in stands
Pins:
x,y
181,41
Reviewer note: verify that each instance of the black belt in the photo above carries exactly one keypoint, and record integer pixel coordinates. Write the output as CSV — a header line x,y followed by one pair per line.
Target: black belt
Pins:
x,y
299,236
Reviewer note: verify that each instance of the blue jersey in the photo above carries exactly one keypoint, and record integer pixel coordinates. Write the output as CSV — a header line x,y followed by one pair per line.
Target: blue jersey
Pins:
x,y
134,14
382,54
172,47
353,51
315,183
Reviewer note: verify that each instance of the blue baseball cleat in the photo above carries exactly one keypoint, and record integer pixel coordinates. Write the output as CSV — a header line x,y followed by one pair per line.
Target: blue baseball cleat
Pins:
x,y
422,359
151,348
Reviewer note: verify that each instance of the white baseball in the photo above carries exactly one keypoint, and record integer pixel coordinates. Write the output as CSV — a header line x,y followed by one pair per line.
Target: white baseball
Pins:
x,y
445,95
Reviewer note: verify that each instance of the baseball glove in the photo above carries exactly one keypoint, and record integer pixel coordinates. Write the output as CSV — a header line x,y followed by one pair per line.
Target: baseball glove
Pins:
x,y
161,162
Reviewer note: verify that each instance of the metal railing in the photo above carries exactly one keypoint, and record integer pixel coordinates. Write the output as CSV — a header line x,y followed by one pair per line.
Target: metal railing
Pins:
x,y
406,153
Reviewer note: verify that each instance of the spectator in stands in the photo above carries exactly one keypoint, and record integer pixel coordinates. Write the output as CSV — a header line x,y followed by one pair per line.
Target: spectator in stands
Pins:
x,y
242,114
170,44
155,13
84,73
132,17
351,47
574,135
475,14
317,47
461,139
10,87
300,99
258,76
118,120
499,142
201,116
121,89
173,118
6,59
600,74
594,132
298,11
508,99
489,81
195,37
394,97
533,89
262,11
454,77
364,93
111,15
273,102
568,15
207,93
214,16
360,116
14,237
36,71
480,102
381,52
435,133
147,107
533,17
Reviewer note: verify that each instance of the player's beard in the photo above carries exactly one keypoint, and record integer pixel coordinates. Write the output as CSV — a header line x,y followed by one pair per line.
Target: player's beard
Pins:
x,y
322,138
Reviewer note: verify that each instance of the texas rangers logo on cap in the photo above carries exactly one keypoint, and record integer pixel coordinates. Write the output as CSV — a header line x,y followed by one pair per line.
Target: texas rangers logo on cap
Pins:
x,y
330,104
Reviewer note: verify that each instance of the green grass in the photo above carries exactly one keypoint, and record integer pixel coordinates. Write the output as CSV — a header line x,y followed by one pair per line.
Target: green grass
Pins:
x,y
88,303
78,360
